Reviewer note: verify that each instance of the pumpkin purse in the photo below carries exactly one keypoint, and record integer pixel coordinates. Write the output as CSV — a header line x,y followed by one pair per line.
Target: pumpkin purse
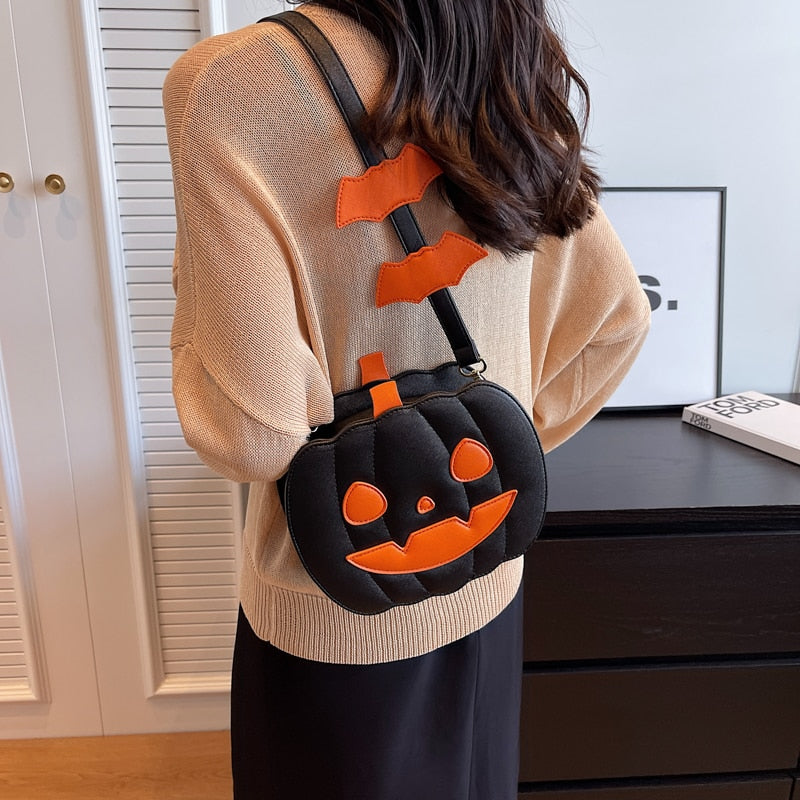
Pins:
x,y
428,480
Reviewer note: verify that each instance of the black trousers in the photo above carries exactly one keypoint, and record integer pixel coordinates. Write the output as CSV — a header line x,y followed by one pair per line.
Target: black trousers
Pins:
x,y
443,726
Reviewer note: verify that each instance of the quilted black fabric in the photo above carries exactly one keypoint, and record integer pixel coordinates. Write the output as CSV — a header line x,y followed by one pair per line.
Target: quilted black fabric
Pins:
x,y
406,454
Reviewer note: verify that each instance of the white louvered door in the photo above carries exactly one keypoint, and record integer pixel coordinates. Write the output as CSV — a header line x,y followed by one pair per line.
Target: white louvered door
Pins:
x,y
186,520
188,517
14,677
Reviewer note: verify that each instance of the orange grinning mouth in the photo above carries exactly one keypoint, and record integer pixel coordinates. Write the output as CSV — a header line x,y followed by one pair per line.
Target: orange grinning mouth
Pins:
x,y
437,544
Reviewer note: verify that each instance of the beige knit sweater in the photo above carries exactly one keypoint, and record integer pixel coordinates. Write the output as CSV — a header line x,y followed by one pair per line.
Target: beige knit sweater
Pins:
x,y
275,305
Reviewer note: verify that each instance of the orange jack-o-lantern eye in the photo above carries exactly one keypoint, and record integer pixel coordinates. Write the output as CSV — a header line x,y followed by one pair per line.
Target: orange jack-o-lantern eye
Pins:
x,y
363,503
470,460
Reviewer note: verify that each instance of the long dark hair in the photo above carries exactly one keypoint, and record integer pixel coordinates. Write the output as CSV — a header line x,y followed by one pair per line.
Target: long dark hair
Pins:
x,y
483,86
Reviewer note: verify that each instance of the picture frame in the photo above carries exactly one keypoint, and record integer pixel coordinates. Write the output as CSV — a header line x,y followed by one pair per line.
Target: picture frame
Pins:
x,y
675,237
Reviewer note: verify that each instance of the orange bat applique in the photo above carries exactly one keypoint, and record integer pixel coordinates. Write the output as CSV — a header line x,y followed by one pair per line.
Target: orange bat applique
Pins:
x,y
386,187
428,270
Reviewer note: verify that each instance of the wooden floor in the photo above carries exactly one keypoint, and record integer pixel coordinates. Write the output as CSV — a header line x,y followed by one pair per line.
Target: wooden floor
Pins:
x,y
179,766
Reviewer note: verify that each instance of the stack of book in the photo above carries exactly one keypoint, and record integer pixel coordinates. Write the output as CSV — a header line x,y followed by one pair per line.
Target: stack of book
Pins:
x,y
754,419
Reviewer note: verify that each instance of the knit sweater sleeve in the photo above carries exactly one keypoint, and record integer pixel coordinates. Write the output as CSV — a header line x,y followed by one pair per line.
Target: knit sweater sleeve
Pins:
x,y
589,319
248,381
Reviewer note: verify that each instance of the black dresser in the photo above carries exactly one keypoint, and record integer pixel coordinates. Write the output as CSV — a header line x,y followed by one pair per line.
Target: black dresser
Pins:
x,y
662,619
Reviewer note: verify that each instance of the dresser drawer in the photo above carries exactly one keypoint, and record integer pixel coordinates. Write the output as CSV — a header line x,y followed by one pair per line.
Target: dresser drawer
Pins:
x,y
775,789
656,596
688,720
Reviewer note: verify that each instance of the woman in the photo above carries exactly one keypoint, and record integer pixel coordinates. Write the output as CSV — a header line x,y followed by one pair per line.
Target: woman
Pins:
x,y
275,304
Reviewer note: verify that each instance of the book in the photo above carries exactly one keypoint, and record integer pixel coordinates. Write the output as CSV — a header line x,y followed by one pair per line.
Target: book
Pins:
x,y
751,418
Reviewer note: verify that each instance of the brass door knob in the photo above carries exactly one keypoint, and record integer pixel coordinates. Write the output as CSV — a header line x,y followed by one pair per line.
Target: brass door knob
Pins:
x,y
55,184
6,182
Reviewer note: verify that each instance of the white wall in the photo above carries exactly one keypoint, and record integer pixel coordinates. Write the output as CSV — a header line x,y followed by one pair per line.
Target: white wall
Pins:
x,y
705,93
701,93
239,13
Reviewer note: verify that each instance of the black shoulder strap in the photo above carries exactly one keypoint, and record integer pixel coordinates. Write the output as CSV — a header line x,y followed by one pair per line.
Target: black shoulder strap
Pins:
x,y
406,225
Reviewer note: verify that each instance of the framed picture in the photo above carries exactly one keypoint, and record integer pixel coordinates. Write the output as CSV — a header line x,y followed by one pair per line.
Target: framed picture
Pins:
x,y
676,240
796,388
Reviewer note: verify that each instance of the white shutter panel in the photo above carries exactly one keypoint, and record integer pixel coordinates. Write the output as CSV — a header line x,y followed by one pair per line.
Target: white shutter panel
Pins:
x,y
14,679
21,668
193,515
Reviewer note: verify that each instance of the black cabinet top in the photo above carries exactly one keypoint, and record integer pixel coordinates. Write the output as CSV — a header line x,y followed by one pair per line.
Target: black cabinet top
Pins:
x,y
652,461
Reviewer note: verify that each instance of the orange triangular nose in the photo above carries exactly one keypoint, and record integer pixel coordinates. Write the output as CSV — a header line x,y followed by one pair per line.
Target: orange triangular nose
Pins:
x,y
425,504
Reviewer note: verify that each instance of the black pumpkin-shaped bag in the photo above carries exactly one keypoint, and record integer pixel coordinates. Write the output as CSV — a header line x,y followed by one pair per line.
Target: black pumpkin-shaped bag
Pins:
x,y
425,481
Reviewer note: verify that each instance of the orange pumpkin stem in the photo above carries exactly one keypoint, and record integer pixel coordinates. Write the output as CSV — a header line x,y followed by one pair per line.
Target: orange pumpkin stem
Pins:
x,y
385,397
373,368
